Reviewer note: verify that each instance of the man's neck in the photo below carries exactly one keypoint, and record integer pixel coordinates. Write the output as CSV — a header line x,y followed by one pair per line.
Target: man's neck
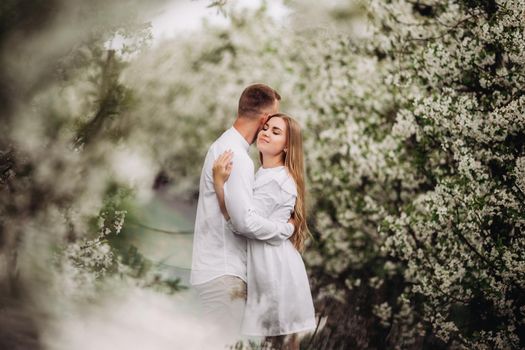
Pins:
x,y
247,129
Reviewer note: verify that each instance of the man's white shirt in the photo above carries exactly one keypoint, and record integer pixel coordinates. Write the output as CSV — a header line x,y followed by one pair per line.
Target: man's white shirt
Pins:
x,y
217,250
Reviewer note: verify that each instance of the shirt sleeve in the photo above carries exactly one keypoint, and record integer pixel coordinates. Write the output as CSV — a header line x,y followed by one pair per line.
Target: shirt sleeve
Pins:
x,y
284,210
244,219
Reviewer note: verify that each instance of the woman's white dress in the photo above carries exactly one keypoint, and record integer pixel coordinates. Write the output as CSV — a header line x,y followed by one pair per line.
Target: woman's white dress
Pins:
x,y
279,299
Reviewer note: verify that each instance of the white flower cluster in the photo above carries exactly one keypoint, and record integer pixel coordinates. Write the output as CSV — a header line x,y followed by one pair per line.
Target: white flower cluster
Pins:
x,y
83,264
114,226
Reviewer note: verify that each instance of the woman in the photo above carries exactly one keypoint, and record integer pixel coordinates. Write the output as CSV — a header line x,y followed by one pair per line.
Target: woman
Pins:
x,y
279,300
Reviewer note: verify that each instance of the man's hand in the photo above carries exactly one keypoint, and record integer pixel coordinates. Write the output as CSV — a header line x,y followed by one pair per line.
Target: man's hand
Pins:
x,y
222,168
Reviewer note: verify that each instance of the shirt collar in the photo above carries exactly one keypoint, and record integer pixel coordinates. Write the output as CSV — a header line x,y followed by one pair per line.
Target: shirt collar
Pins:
x,y
239,138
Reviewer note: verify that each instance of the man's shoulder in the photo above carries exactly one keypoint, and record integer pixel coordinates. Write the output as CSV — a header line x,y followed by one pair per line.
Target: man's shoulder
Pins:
x,y
223,144
219,145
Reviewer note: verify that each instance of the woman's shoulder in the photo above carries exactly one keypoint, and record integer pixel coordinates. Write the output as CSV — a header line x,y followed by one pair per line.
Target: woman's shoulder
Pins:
x,y
288,184
278,176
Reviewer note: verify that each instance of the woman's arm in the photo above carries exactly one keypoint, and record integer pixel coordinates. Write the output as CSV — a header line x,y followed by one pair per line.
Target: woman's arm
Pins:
x,y
222,168
219,191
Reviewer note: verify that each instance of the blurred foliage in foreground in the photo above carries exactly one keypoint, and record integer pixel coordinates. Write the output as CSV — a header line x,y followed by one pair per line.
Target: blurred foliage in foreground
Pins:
x,y
63,191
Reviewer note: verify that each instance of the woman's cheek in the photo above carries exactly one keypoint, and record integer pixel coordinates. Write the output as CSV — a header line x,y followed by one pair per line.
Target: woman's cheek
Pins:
x,y
282,143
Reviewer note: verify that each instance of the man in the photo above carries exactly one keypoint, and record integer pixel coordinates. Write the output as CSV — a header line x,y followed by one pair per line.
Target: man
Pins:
x,y
219,255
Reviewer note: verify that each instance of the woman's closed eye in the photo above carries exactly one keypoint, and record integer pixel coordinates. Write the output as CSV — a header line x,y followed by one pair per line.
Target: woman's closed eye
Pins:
x,y
276,131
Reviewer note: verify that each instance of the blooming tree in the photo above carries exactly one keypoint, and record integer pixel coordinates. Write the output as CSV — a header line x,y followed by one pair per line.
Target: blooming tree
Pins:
x,y
463,129
416,168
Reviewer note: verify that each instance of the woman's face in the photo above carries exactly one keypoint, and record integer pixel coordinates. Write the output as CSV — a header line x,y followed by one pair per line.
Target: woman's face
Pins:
x,y
271,140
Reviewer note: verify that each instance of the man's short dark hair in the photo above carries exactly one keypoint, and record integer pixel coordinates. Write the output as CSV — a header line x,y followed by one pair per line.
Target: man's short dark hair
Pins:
x,y
255,99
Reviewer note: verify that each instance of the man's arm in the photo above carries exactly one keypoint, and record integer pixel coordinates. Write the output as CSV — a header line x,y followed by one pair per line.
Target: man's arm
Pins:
x,y
278,238
238,195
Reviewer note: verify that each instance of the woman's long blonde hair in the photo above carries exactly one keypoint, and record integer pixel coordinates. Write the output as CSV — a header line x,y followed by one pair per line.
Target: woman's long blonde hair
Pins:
x,y
294,163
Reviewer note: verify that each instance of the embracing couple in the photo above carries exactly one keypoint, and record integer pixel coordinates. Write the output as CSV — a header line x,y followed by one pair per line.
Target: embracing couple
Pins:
x,y
250,228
